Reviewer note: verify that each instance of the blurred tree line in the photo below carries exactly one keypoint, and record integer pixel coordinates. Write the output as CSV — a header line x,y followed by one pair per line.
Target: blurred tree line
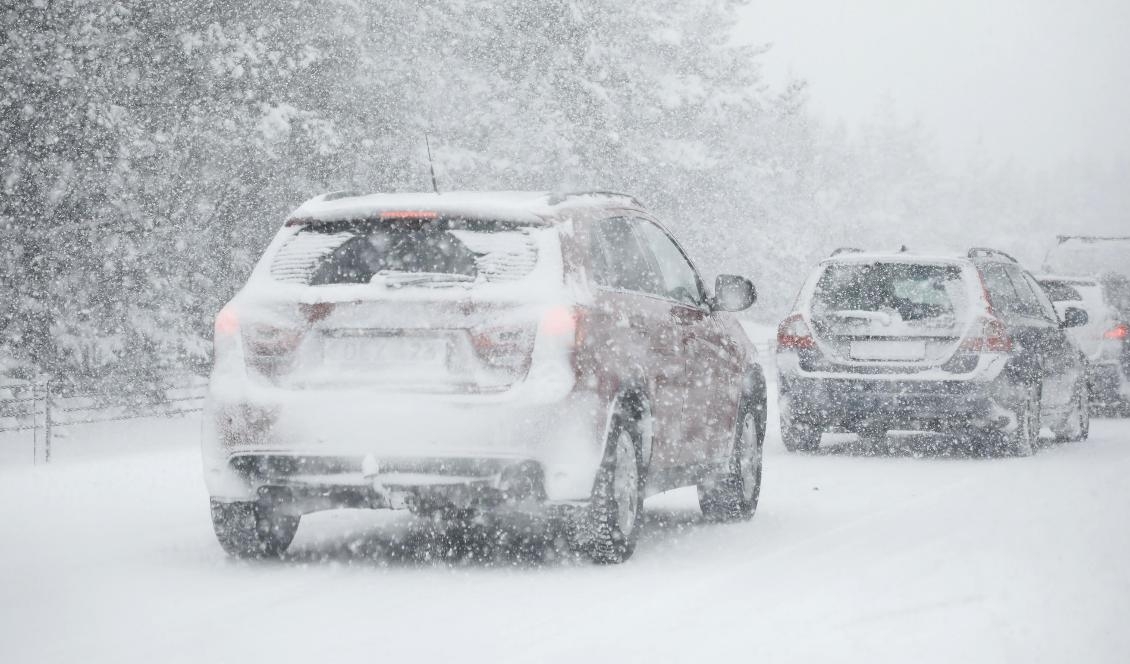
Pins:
x,y
148,151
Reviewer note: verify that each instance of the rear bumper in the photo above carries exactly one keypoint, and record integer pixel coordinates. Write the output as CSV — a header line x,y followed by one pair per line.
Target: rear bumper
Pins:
x,y
389,448
855,403
1109,383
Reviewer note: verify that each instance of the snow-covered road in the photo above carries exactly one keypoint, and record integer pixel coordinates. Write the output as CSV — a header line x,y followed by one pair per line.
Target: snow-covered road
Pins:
x,y
922,555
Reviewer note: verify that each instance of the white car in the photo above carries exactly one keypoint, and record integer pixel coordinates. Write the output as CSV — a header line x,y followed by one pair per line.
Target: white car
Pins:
x,y
1103,339
472,353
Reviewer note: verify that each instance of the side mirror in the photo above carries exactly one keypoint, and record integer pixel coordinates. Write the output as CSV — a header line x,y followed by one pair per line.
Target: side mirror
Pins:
x,y
1074,317
733,293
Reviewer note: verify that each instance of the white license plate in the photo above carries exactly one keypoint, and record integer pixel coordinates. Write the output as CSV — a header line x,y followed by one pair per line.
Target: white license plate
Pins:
x,y
893,351
385,352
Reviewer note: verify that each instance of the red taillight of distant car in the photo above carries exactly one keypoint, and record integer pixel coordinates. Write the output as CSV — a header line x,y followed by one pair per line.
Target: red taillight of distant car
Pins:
x,y
227,322
1118,332
794,334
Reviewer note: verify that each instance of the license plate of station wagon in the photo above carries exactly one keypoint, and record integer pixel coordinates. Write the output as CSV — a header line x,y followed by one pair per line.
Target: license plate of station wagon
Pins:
x,y
891,351
382,352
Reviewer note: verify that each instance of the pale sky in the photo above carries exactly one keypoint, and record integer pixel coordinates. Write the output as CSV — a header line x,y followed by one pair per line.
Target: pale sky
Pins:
x,y
1040,81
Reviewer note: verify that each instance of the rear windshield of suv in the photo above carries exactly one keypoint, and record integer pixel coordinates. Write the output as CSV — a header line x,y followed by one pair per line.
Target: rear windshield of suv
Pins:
x,y
1079,257
406,252
886,293
1060,291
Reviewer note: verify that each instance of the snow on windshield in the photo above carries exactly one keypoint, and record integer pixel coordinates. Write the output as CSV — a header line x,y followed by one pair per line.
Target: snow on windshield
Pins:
x,y
356,252
894,295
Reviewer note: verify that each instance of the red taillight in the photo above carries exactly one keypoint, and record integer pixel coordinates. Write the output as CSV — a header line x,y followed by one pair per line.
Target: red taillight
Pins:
x,y
227,322
793,334
985,290
559,321
317,311
270,340
1118,332
564,322
991,338
408,214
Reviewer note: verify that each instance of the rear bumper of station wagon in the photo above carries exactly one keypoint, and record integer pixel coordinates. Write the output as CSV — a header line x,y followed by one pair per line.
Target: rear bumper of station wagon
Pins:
x,y
386,450
888,402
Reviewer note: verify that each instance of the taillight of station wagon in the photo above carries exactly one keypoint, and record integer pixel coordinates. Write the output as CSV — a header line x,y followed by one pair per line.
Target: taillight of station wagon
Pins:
x,y
794,334
989,336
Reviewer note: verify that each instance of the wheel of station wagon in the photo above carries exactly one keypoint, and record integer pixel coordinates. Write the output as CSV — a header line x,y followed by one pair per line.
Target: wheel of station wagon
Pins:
x,y
1077,425
799,436
249,530
733,496
617,500
1024,439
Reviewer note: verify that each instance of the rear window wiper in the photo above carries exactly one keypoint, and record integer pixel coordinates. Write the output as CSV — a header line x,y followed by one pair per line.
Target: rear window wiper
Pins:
x,y
882,317
396,278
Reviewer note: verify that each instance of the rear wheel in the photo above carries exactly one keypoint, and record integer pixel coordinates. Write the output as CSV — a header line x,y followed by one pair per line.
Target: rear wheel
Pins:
x,y
251,530
1077,425
799,436
1023,440
617,500
733,496
875,438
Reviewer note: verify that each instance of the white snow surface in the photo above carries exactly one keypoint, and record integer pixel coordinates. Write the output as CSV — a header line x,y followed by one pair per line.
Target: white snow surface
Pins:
x,y
920,555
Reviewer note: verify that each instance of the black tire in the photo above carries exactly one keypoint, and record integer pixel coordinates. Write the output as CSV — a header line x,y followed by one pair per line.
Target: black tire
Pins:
x,y
799,436
617,498
1023,440
876,440
1077,425
733,496
249,530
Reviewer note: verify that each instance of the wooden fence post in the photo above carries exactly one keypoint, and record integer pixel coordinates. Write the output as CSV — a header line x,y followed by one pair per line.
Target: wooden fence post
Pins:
x,y
34,423
47,422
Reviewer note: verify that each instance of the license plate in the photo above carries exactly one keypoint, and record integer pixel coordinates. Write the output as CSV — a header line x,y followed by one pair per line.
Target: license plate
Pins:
x,y
385,352
893,351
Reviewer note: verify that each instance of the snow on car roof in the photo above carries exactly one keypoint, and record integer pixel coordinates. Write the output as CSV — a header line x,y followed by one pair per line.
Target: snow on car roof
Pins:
x,y
521,206
894,257
1072,280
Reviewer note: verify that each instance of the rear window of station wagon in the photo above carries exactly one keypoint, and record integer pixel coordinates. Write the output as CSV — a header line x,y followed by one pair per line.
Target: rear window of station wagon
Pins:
x,y
406,252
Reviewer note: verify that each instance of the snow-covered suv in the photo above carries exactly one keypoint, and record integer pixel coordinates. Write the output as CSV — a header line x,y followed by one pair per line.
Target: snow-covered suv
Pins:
x,y
896,341
466,353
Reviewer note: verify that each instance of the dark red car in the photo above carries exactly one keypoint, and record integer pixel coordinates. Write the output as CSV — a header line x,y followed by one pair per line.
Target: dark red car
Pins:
x,y
455,353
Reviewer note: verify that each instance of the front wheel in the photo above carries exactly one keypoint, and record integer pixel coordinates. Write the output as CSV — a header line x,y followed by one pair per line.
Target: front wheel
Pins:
x,y
733,497
251,530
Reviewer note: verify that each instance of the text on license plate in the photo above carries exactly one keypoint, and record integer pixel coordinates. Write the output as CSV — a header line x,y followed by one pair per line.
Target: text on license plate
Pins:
x,y
378,352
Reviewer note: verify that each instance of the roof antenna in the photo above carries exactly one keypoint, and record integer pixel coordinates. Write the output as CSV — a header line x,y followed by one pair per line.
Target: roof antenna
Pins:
x,y
431,165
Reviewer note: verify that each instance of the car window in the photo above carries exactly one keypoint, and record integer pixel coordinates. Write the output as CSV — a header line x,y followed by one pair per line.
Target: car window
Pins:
x,y
435,252
1001,291
910,292
1042,298
618,259
1060,291
678,279
1027,301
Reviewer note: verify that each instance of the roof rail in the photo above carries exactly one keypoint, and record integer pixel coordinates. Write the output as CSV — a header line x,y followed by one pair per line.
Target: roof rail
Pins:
x,y
986,252
559,197
341,193
846,250
1091,238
